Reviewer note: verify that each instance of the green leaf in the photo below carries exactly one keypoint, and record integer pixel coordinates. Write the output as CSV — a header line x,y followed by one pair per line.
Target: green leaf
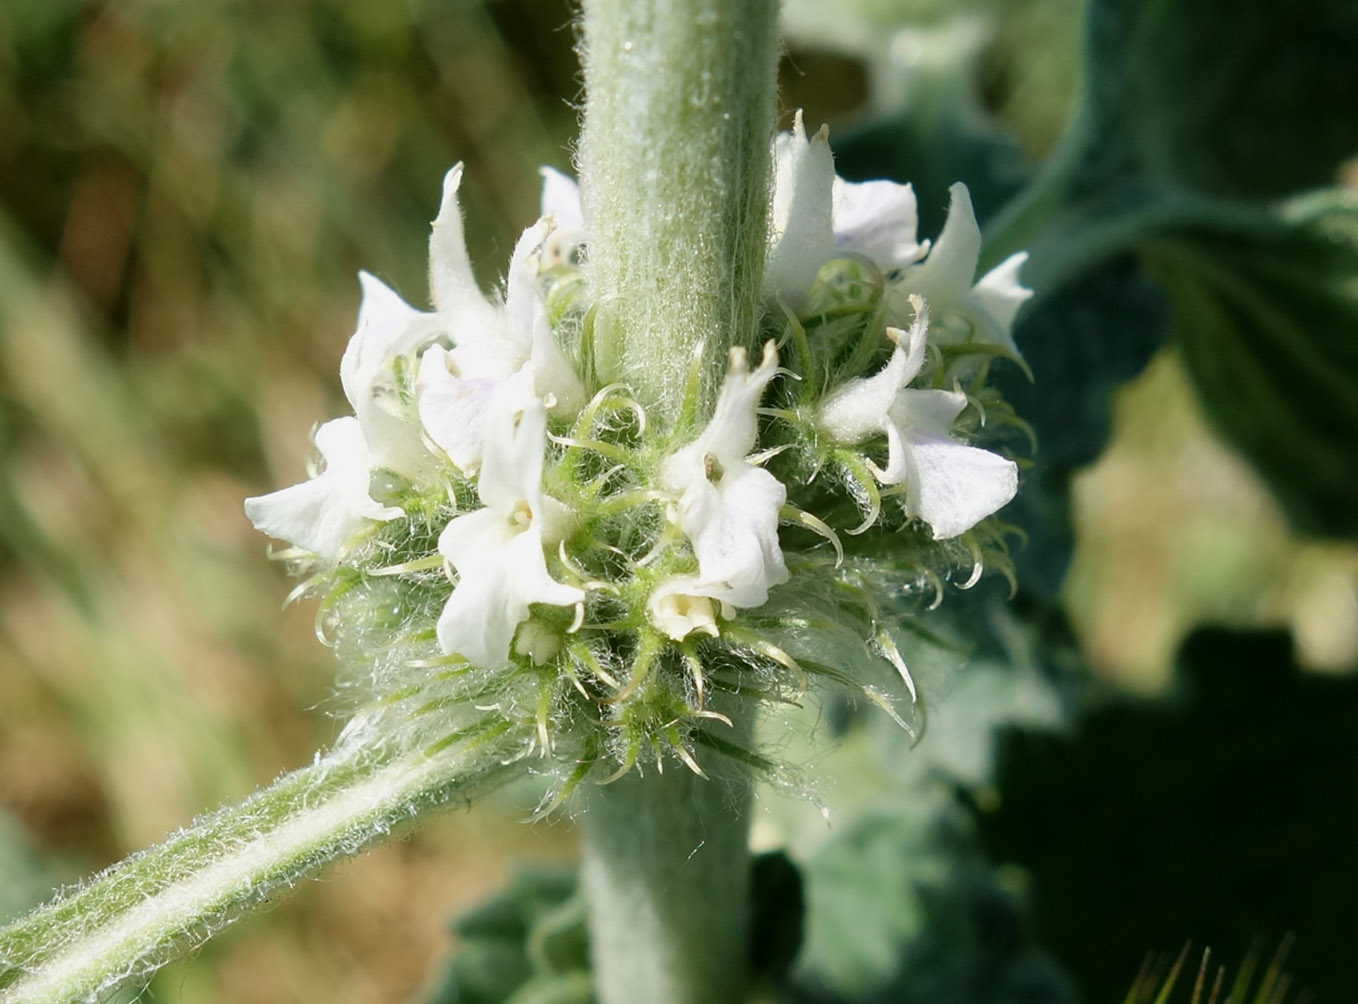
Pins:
x,y
528,945
902,905
1267,319
903,909
1197,116
1248,98
1085,340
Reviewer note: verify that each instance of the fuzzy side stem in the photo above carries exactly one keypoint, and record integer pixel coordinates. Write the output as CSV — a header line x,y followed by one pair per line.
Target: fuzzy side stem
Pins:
x,y
162,902
674,174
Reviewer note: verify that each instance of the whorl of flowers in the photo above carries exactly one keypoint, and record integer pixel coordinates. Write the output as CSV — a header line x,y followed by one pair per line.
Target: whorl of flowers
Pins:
x,y
504,542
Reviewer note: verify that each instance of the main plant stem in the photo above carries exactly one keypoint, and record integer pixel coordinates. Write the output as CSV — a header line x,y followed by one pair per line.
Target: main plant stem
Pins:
x,y
674,173
667,870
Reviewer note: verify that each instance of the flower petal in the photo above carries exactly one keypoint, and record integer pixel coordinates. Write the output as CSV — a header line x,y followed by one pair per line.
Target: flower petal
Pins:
x,y
521,290
561,202
561,199
804,175
878,220
734,426
502,570
452,408
995,300
553,373
387,328
928,411
858,408
681,606
514,441
953,487
733,526
452,284
323,514
945,275
728,508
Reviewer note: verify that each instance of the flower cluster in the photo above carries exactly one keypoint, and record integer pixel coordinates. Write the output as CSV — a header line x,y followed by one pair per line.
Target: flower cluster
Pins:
x,y
497,533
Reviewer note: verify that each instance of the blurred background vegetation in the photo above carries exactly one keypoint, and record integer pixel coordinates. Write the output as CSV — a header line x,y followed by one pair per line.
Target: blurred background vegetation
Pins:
x,y
186,193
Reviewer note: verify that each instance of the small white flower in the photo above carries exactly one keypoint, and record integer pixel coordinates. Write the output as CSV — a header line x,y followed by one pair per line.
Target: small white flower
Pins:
x,y
986,310
683,605
387,328
453,407
498,550
491,341
817,215
728,507
323,514
950,486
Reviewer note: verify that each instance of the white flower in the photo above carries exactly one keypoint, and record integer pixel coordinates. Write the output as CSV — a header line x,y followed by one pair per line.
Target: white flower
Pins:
x,y
498,550
453,407
491,341
323,514
986,310
817,215
684,604
387,328
728,507
950,486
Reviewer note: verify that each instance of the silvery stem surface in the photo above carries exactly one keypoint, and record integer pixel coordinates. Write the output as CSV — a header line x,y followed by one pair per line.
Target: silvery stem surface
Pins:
x,y
674,172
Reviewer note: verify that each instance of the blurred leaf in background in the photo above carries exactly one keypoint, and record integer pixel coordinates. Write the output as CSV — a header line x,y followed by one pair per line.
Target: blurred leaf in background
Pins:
x,y
1220,816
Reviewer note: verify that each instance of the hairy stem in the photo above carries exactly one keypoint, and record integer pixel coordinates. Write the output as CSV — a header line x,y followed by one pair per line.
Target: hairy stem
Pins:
x,y
667,869
162,902
674,173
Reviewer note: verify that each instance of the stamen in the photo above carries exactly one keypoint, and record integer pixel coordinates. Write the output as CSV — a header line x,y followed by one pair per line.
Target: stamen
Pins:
x,y
521,515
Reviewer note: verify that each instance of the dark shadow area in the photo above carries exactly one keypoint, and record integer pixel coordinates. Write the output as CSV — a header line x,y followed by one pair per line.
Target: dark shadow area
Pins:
x,y
1220,816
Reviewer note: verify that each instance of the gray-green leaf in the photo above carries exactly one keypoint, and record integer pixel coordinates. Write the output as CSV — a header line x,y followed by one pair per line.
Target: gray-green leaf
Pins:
x,y
1248,98
1267,319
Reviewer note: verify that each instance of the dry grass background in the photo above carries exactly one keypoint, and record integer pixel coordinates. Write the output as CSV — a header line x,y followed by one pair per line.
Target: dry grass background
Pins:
x,y
186,193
